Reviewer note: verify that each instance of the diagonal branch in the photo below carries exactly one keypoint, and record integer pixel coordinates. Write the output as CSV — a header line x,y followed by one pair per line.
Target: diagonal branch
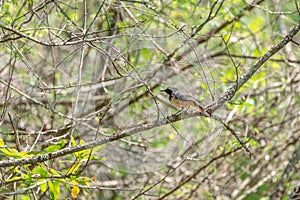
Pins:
x,y
229,93
162,121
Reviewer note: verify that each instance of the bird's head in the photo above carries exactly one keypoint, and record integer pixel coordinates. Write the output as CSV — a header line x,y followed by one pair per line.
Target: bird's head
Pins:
x,y
170,90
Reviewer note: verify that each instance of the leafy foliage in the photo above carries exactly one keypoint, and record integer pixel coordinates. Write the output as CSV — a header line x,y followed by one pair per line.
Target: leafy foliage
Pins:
x,y
76,75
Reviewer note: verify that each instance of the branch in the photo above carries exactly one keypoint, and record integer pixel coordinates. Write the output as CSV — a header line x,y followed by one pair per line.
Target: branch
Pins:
x,y
242,143
213,32
116,136
198,29
162,121
229,93
193,176
221,53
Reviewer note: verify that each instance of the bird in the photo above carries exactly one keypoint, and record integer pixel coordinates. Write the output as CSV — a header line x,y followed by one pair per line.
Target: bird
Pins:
x,y
182,101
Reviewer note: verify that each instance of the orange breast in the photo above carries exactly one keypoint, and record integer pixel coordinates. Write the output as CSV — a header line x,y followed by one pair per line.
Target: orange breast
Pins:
x,y
189,103
182,104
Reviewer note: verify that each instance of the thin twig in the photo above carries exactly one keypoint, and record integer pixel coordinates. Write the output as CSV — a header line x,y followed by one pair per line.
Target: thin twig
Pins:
x,y
242,143
17,139
232,60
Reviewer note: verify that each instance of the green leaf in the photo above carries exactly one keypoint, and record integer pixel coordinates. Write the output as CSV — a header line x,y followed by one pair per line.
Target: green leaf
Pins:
x,y
56,147
25,197
41,171
81,154
244,176
53,148
262,188
10,152
256,23
74,167
43,186
146,53
14,179
2,143
253,143
54,187
54,172
73,141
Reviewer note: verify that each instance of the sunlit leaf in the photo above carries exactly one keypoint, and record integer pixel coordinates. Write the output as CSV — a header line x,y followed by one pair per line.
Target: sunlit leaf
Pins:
x,y
2,144
75,189
10,152
43,186
73,141
256,23
40,170
53,148
54,187
74,167
25,197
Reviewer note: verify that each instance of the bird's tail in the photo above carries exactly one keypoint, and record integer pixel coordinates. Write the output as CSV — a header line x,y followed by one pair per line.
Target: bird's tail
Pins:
x,y
203,111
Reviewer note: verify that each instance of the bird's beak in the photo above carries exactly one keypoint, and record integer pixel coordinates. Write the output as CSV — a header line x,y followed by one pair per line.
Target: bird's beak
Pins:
x,y
163,90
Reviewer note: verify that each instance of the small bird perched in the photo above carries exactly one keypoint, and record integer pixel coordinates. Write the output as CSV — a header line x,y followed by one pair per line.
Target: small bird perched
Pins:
x,y
184,101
